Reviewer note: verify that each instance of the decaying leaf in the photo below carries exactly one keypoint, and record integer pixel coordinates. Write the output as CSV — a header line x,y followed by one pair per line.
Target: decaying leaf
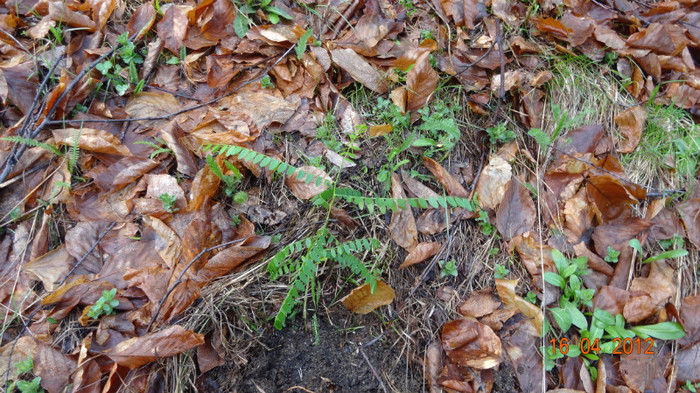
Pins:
x,y
360,69
90,139
469,343
403,224
516,213
172,29
362,301
493,182
152,104
135,352
479,304
420,83
422,252
448,181
630,122
303,190
506,291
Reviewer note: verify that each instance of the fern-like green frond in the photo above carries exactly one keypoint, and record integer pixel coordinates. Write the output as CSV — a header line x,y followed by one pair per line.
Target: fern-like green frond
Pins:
x,y
32,142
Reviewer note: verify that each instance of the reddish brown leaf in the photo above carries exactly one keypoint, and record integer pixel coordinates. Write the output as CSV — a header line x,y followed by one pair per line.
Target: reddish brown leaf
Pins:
x,y
631,123
53,367
51,268
611,199
121,173
690,317
649,295
687,363
403,224
663,39
142,20
232,257
420,83
611,299
360,70
533,253
303,190
362,301
639,369
690,212
172,29
578,215
152,104
419,254
210,354
172,134
448,181
433,365
521,346
516,214
469,343
479,304
138,351
506,291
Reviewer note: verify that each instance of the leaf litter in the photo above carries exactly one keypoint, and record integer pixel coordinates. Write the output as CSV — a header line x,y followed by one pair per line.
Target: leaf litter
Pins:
x,y
88,208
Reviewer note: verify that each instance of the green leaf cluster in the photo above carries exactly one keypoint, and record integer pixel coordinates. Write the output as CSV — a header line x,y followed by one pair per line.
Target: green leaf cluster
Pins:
x,y
245,11
302,267
105,304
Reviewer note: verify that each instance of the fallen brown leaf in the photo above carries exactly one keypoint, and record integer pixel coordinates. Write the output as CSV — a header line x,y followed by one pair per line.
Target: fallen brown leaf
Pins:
x,y
479,304
420,83
303,190
362,301
90,139
402,225
506,291
135,352
630,122
469,343
516,213
493,182
419,254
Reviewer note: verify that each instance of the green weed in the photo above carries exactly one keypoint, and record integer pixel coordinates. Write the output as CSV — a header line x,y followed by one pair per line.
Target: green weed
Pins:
x,y
105,304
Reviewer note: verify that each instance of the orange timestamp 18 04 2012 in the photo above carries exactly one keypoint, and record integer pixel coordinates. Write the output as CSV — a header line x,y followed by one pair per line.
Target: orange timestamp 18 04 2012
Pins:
x,y
624,346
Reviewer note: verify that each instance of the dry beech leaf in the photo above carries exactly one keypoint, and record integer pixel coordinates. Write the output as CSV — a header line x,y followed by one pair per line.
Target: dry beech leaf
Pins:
x,y
362,301
90,139
493,182
690,212
142,20
379,130
402,225
303,190
419,254
172,28
152,104
135,352
506,291
631,123
359,69
51,267
433,362
479,304
448,181
469,343
517,213
420,83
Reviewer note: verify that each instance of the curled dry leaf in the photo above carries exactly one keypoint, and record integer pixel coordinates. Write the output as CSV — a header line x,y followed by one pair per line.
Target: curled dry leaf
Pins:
x,y
303,190
433,365
90,139
172,134
422,252
362,301
690,212
402,225
630,122
135,352
517,213
493,182
448,181
506,291
469,343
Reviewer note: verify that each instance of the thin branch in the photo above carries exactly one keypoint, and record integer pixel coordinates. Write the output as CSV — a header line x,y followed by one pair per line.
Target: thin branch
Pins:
x,y
84,257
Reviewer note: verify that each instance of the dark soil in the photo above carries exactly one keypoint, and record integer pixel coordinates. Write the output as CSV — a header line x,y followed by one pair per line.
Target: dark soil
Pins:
x,y
293,362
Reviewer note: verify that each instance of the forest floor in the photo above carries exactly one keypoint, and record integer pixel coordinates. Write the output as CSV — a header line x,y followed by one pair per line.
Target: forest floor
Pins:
x,y
349,196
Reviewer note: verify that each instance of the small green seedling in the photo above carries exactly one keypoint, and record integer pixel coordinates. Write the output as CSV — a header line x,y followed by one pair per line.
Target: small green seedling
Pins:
x,y
612,256
266,82
500,134
168,202
161,147
531,297
689,386
448,268
246,10
33,386
500,271
105,304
